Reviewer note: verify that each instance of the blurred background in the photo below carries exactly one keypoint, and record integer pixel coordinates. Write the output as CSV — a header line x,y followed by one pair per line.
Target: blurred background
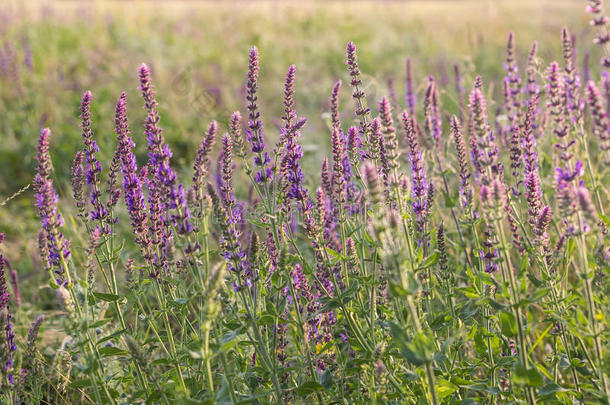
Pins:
x,y
52,51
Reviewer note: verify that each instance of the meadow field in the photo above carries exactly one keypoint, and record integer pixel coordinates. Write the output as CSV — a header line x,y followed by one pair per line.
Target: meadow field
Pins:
x,y
430,230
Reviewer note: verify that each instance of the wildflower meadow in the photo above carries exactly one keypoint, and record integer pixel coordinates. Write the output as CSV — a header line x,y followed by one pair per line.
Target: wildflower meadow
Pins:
x,y
450,246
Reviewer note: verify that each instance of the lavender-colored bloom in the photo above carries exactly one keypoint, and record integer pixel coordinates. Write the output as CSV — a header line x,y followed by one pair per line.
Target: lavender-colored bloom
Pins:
x,y
512,80
164,194
354,145
540,230
93,168
478,84
4,294
163,176
322,210
9,338
289,105
557,105
489,255
565,195
600,124
575,103
463,170
132,184
43,170
292,172
255,134
516,159
326,177
30,366
388,147
226,172
78,180
57,246
409,92
43,249
334,105
358,94
420,187
531,87
432,113
530,155
484,151
533,194
202,160
339,186
154,133
32,336
375,141
236,134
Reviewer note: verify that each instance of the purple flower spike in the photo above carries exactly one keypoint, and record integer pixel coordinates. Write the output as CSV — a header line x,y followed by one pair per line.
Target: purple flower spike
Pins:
x,y
226,174
464,172
202,159
432,113
575,103
358,94
420,189
389,146
93,167
132,184
410,92
78,181
255,134
334,105
4,294
532,88
289,108
599,123
558,107
57,248
484,151
512,84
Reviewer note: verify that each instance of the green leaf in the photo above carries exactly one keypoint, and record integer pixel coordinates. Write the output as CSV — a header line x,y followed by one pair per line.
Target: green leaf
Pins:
x,y
99,323
430,261
309,387
112,351
111,336
230,340
550,390
266,320
445,388
530,377
508,324
335,254
106,297
82,383
397,290
326,379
